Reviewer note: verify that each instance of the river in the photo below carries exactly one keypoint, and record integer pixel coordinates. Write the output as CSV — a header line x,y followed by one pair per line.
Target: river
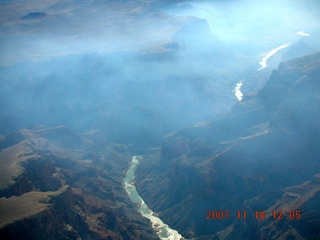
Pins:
x,y
263,62
163,230
237,90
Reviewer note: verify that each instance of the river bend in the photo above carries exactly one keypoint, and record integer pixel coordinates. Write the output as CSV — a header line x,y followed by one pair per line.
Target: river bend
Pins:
x,y
163,230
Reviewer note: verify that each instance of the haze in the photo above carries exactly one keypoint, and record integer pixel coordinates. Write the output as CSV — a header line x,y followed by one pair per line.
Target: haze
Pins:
x,y
149,67
72,27
178,111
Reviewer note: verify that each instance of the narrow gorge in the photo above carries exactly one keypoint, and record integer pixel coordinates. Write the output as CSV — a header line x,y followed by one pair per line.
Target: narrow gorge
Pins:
x,y
163,230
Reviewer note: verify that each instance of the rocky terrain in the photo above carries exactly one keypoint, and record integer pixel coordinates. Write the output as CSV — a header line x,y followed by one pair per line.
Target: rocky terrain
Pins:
x,y
56,184
262,156
86,85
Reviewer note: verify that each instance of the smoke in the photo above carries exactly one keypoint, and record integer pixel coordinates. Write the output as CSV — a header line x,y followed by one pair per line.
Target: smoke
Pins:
x,y
136,70
252,26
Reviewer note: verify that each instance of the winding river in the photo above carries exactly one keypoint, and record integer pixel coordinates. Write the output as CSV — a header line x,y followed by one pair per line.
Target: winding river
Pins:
x,y
162,229
263,62
237,90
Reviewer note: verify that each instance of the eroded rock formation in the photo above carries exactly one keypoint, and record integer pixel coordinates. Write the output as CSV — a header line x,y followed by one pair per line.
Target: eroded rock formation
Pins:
x,y
263,156
60,185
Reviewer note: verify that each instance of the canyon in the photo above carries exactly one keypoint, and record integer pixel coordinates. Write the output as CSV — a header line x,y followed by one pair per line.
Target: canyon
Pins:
x,y
159,119
56,184
262,156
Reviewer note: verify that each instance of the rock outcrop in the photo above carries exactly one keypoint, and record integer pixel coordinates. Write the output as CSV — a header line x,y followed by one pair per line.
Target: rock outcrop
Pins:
x,y
56,184
262,156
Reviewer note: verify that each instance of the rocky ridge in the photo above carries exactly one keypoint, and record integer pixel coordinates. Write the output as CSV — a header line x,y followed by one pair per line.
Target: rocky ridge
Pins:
x,y
57,184
266,147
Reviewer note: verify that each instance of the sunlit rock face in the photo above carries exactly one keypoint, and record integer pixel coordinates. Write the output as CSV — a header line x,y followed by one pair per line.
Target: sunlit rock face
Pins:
x,y
267,147
126,77
53,188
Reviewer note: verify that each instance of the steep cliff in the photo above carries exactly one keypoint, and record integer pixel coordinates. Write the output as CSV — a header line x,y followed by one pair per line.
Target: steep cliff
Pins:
x,y
56,184
246,161
41,215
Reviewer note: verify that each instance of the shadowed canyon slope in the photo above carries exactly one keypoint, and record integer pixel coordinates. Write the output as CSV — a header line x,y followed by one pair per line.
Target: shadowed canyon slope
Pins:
x,y
88,86
264,155
60,185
